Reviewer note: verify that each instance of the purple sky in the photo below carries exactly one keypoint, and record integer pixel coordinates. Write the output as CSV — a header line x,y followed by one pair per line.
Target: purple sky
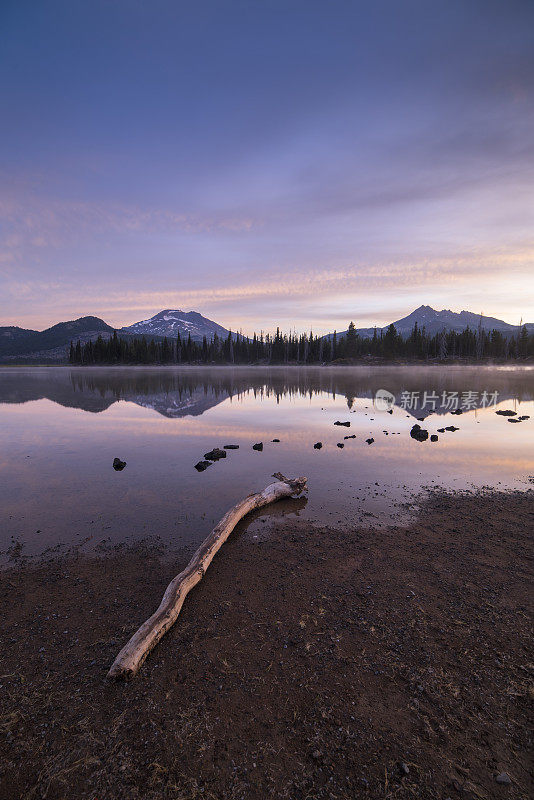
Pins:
x,y
264,162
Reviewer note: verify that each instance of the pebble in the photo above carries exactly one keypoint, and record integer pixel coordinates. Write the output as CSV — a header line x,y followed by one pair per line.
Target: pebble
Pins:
x,y
503,778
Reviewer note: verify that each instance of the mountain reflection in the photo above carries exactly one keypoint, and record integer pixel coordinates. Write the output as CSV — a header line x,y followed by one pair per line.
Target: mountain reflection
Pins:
x,y
192,391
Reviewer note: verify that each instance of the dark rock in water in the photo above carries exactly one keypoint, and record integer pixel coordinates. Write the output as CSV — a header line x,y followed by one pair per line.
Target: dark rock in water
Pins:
x,y
525,416
215,454
231,447
434,437
419,434
276,440
503,778
202,465
258,446
390,411
317,445
515,419
345,424
457,411
506,413
421,419
352,436
118,465
441,430
340,444
452,428
369,441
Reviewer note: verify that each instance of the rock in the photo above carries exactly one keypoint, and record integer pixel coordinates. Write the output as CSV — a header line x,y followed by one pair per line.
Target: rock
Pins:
x,y
441,430
507,413
345,424
276,440
369,441
317,445
419,434
451,428
525,416
215,454
434,437
503,778
457,411
258,446
202,465
517,419
118,465
340,444
231,447
390,411
352,436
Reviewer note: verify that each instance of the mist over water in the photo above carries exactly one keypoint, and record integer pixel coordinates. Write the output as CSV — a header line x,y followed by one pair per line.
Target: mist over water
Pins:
x,y
61,428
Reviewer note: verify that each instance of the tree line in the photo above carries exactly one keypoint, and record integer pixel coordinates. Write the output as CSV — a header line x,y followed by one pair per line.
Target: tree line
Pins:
x,y
306,348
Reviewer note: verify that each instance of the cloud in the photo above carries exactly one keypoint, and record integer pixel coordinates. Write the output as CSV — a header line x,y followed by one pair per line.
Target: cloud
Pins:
x,y
372,293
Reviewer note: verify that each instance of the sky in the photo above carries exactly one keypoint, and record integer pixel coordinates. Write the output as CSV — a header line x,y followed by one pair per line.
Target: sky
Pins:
x,y
266,162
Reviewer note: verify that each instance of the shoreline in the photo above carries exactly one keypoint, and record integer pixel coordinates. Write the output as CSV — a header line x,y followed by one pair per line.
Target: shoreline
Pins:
x,y
309,662
489,363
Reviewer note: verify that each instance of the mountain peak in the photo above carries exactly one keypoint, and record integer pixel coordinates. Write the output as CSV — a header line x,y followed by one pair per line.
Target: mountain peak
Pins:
x,y
171,322
445,320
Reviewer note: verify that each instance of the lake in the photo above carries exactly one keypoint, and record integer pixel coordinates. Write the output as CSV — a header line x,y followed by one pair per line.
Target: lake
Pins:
x,y
61,428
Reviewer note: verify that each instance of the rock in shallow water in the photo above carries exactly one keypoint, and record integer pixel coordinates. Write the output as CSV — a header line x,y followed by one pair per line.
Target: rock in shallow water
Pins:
x,y
258,446
202,465
215,454
419,434
118,465
317,445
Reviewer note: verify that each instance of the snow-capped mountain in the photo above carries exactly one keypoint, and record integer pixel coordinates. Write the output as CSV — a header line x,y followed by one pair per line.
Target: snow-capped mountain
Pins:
x,y
171,322
436,321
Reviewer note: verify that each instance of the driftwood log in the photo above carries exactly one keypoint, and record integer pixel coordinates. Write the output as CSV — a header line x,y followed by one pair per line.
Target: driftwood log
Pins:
x,y
133,654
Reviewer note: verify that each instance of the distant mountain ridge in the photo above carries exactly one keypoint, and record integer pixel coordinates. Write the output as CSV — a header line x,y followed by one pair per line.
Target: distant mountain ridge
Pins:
x,y
23,345
172,322
51,344
437,321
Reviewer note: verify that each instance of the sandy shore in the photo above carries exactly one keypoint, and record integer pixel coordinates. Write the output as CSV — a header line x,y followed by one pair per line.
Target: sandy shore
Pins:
x,y
309,664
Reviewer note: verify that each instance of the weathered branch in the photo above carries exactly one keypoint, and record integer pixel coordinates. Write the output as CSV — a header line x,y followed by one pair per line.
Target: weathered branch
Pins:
x,y
133,654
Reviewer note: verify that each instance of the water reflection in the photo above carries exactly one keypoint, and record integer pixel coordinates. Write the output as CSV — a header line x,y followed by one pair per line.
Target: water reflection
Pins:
x,y
58,486
178,393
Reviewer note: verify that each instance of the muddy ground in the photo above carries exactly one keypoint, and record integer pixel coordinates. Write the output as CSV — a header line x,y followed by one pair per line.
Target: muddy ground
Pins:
x,y
308,663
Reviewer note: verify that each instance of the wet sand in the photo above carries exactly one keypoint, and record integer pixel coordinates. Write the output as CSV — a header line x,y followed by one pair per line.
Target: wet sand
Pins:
x,y
309,663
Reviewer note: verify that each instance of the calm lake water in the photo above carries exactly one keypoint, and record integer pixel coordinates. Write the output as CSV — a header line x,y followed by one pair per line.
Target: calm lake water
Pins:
x,y
61,428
